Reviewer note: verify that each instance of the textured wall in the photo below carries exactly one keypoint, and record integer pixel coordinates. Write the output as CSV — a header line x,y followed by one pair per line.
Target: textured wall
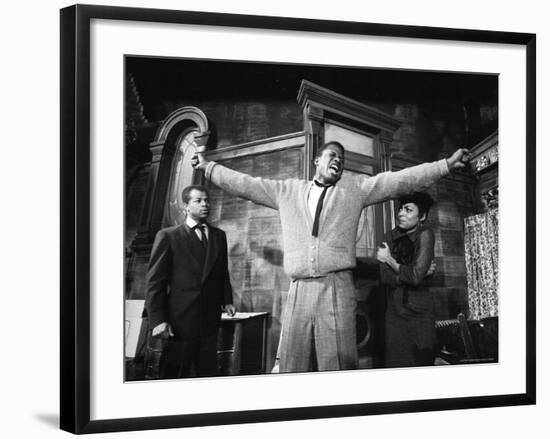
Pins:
x,y
254,240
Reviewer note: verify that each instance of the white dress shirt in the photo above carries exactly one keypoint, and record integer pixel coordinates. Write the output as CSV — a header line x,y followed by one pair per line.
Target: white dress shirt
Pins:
x,y
192,223
313,198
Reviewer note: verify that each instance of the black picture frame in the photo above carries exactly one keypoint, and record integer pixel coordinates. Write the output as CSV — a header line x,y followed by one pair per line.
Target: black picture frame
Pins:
x,y
75,217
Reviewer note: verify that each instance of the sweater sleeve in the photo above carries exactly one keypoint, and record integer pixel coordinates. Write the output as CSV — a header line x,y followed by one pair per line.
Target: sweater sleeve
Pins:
x,y
387,185
259,190
414,273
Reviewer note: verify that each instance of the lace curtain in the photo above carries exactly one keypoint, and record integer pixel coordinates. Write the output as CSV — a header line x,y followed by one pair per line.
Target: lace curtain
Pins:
x,y
481,255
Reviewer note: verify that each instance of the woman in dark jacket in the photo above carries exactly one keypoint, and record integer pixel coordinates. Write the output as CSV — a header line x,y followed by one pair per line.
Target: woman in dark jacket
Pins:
x,y
405,258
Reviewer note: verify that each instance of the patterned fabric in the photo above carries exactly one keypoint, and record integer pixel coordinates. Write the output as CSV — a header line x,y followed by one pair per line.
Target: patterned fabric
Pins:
x,y
481,255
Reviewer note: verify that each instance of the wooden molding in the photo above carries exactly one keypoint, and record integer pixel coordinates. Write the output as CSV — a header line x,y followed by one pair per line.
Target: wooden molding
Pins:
x,y
313,95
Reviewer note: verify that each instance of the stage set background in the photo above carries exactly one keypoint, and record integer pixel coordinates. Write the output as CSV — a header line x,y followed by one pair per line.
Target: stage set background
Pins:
x,y
263,119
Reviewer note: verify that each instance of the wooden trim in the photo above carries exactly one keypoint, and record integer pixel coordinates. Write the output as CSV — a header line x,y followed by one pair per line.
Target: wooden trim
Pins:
x,y
262,146
311,94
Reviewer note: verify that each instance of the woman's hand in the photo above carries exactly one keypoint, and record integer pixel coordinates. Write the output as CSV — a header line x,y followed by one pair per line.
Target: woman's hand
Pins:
x,y
383,254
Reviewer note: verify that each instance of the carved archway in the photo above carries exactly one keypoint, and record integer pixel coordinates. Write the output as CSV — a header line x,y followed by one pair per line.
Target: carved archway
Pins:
x,y
164,149
187,114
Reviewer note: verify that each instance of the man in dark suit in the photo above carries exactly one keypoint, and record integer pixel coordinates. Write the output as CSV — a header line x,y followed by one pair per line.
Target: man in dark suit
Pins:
x,y
187,287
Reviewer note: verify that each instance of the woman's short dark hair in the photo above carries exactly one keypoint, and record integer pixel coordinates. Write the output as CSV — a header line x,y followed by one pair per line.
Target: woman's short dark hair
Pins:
x,y
420,199
186,193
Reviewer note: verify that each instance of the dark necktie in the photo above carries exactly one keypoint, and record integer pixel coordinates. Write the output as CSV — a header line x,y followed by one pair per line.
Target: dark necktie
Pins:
x,y
204,239
315,230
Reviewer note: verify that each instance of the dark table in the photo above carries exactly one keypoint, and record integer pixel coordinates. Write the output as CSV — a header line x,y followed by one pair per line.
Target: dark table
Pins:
x,y
242,343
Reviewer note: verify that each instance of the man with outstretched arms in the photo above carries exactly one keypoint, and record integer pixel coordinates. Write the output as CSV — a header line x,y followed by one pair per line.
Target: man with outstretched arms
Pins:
x,y
319,220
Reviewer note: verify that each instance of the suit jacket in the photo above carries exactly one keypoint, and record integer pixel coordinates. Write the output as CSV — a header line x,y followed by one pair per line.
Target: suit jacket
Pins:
x,y
186,287
409,292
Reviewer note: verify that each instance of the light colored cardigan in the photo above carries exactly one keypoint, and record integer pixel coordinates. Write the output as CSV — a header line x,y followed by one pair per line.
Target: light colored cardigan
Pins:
x,y
306,256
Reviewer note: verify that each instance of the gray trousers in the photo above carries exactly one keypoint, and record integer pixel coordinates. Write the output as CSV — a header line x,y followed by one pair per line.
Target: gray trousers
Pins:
x,y
319,324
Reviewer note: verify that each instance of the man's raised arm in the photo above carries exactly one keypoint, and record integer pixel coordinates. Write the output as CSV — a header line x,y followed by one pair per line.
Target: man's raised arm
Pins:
x,y
259,190
387,185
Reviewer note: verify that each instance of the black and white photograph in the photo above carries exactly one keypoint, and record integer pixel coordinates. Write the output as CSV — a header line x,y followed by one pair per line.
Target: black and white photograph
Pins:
x,y
285,218
280,220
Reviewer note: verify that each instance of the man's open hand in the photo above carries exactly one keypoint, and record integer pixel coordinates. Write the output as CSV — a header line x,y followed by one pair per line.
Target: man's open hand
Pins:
x,y
230,310
162,330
